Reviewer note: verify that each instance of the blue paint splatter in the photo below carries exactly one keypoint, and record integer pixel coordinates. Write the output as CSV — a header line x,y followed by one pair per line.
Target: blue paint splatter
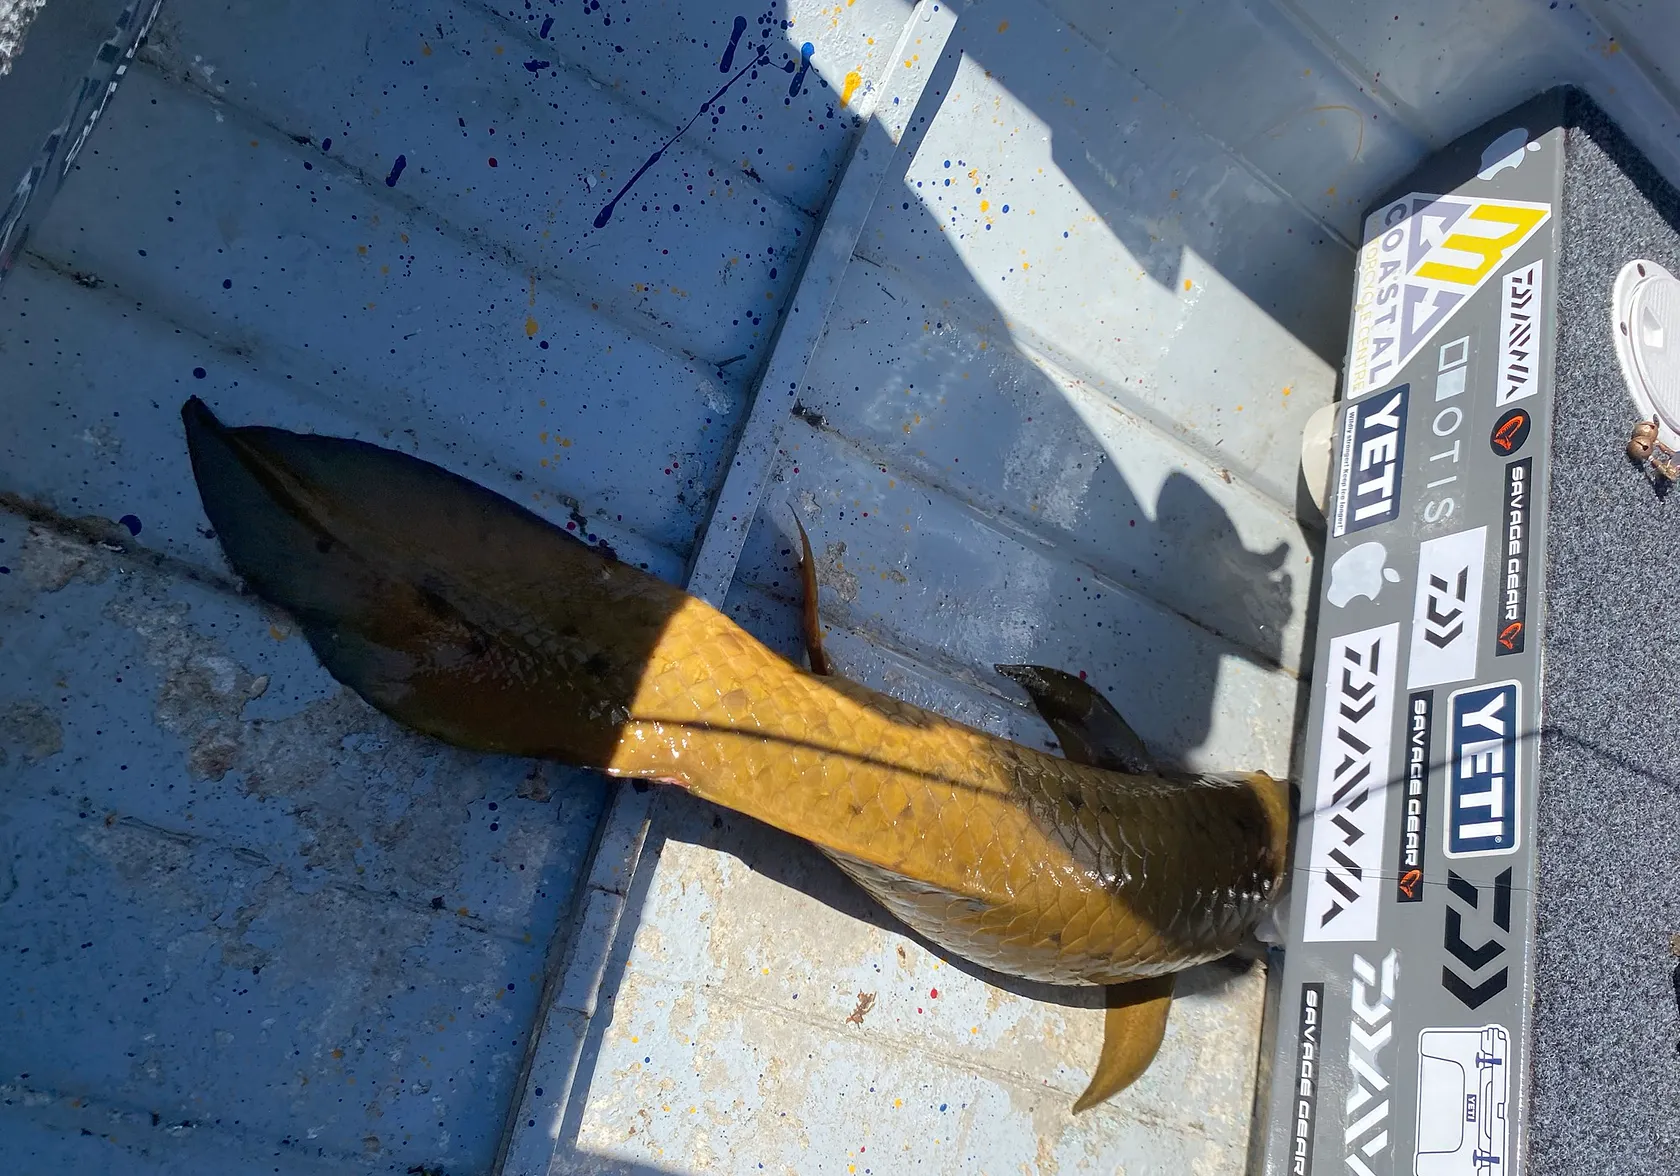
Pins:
x,y
734,40
548,23
326,144
537,66
396,171
605,215
132,522
199,373
805,53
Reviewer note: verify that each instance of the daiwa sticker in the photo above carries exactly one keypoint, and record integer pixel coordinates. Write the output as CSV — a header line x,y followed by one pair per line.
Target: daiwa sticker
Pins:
x,y
1482,770
1519,334
1424,256
1350,800
1447,609
1371,1065
1373,456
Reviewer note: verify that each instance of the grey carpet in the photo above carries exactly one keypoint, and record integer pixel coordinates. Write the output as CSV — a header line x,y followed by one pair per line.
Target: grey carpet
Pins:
x,y
1604,1067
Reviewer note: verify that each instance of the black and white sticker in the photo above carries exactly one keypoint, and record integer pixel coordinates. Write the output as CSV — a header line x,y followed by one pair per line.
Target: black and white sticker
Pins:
x,y
1519,335
1414,835
1345,861
1512,630
1477,938
1447,609
1464,1083
1370,1065
1373,456
1483,784
1309,1042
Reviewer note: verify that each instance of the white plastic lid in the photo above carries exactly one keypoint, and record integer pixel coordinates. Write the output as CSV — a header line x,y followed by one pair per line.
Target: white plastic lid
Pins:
x,y
1646,306
1317,437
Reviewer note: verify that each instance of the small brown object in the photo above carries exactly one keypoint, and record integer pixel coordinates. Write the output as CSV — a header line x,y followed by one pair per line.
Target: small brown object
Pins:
x,y
1643,440
1674,944
865,1002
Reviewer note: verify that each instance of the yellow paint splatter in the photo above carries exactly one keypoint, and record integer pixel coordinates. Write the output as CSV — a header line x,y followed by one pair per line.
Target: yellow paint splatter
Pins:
x,y
425,49
530,327
1187,283
1286,389
500,50
277,633
404,237
565,443
984,205
385,269
1003,26
361,251
849,87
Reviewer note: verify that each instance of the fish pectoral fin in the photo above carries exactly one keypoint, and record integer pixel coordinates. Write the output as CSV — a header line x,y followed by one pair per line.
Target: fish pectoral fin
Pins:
x,y
1090,729
1132,1032
812,622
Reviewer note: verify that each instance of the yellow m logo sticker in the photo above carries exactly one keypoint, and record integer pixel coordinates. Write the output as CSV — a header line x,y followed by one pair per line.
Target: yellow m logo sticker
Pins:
x,y
1510,224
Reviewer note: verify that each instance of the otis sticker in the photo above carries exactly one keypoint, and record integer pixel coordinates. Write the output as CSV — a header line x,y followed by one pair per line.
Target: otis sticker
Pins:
x,y
1424,256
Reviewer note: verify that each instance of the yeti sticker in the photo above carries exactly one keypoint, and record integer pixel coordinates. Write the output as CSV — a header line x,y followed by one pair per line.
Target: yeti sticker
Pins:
x,y
1373,455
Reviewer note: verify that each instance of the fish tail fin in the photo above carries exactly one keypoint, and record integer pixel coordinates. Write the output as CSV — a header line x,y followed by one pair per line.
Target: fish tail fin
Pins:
x,y
448,607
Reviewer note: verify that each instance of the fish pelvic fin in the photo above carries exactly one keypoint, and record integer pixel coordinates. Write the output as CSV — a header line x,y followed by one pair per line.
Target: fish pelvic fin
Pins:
x,y
1132,1031
812,622
1091,731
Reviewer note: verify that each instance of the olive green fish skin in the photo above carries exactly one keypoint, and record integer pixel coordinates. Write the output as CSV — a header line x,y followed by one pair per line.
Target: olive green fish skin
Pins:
x,y
467,617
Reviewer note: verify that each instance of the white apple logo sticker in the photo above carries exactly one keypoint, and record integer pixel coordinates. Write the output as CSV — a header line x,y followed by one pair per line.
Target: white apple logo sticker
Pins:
x,y
1360,572
1505,151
